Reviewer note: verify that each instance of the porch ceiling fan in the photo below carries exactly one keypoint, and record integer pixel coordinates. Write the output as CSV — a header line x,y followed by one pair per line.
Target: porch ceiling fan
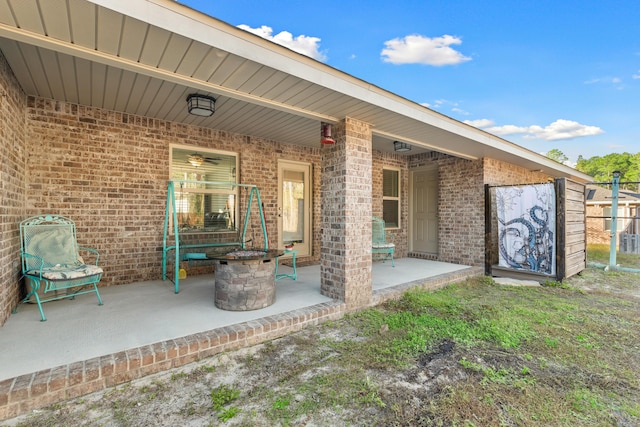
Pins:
x,y
196,159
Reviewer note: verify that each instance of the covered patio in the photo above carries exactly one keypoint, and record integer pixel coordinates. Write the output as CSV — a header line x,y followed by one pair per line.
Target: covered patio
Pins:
x,y
145,327
103,88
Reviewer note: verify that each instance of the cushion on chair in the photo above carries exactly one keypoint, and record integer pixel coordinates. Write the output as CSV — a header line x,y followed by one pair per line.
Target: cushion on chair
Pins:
x,y
62,272
56,245
383,245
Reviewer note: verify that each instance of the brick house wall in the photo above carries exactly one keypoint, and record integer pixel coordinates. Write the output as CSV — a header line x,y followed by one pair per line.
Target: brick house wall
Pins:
x,y
259,166
345,267
109,171
501,173
461,201
460,207
382,160
595,226
12,185
596,234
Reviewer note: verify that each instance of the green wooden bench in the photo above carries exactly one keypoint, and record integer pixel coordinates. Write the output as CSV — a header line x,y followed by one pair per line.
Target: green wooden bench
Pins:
x,y
382,242
51,263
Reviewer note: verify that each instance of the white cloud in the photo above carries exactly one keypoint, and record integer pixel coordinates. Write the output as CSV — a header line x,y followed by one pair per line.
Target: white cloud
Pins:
x,y
637,75
417,49
593,81
480,123
442,103
309,46
562,129
616,81
558,130
510,129
460,111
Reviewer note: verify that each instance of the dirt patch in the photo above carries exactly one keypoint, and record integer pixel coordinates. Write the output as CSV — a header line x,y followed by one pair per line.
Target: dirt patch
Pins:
x,y
612,282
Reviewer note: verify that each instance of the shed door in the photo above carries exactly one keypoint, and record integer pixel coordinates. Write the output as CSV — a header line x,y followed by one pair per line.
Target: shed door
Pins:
x,y
424,230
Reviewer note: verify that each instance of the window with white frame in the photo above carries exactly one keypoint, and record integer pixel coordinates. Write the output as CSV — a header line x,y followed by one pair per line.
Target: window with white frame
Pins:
x,y
621,222
391,198
204,191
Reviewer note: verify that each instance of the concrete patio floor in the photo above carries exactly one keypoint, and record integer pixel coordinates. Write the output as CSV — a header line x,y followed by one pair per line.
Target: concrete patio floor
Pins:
x,y
148,312
150,315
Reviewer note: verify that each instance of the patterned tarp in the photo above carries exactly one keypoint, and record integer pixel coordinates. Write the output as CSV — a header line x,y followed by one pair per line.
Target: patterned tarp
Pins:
x,y
526,227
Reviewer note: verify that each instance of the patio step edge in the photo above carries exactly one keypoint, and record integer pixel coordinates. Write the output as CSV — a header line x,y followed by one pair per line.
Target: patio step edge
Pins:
x,y
25,393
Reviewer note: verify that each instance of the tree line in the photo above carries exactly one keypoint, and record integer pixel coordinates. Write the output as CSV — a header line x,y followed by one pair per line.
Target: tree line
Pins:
x,y
601,168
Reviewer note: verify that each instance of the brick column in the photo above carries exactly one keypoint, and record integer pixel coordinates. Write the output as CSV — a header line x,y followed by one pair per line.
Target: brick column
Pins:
x,y
345,264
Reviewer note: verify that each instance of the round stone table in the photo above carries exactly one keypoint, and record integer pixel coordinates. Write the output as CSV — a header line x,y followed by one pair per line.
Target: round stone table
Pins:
x,y
245,278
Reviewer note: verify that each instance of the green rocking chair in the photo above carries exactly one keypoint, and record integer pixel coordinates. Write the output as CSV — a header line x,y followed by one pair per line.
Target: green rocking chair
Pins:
x,y
382,242
51,264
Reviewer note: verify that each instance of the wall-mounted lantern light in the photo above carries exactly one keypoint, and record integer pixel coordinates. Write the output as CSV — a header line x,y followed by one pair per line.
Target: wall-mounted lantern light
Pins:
x,y
201,105
401,146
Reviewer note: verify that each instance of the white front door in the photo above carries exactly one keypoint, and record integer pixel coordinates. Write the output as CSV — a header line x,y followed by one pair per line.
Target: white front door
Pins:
x,y
424,214
294,206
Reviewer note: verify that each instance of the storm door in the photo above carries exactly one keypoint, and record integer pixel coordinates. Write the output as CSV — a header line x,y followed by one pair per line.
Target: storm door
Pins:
x,y
294,206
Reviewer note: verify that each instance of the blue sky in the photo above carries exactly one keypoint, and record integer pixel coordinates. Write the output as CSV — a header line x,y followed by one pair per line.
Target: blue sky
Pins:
x,y
543,74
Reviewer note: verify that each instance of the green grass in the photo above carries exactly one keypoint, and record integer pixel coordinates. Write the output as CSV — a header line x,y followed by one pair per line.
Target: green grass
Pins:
x,y
601,254
549,355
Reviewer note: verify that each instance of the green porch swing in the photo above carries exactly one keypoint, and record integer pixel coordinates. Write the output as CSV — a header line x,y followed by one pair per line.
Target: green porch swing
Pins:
x,y
176,246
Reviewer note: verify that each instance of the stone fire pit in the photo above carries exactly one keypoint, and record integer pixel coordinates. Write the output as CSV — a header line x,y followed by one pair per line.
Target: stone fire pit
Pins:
x,y
245,279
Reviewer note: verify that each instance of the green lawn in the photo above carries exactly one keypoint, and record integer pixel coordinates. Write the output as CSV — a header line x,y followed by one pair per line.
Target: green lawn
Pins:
x,y
601,253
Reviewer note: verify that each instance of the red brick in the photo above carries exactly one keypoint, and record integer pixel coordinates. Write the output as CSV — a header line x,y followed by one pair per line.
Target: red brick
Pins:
x,y
159,352
172,349
148,356
92,369
5,388
192,342
106,366
120,362
76,373
134,358
21,388
40,383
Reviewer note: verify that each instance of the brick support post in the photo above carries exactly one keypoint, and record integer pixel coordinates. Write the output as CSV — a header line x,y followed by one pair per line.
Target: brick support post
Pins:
x,y
345,265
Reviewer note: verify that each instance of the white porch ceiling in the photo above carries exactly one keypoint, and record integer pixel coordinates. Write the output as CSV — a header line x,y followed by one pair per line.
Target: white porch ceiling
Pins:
x,y
144,57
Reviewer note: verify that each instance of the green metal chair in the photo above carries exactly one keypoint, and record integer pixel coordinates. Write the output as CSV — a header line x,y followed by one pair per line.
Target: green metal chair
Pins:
x,y
294,273
382,243
51,264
